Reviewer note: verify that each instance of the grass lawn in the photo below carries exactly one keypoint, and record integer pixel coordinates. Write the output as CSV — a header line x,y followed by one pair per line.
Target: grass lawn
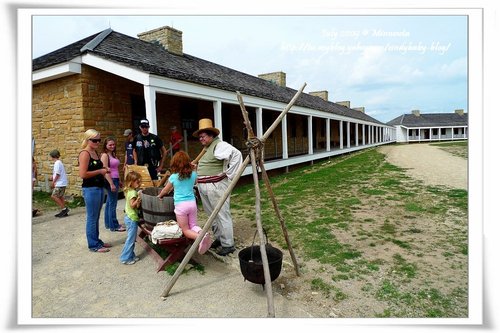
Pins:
x,y
382,244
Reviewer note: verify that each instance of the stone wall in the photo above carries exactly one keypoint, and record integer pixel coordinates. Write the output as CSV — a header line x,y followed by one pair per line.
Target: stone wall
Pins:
x,y
63,109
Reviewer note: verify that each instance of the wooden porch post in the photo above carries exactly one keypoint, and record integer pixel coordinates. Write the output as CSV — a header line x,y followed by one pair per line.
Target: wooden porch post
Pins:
x,y
356,134
341,134
284,138
310,135
363,133
327,135
150,102
348,128
218,117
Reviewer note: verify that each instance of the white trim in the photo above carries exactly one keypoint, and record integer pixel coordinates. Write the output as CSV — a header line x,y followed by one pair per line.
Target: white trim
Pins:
x,y
117,69
57,71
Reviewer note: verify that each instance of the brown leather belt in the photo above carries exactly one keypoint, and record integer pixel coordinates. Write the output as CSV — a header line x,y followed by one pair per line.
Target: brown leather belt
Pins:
x,y
211,179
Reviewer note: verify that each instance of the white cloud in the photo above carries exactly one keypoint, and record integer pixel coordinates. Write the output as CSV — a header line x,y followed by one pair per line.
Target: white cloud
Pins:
x,y
454,70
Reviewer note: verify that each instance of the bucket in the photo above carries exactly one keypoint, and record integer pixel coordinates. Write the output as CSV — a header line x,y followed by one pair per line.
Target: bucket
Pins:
x,y
155,210
251,263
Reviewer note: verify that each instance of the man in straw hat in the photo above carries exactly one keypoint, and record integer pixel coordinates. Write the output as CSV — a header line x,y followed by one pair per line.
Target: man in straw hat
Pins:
x,y
215,170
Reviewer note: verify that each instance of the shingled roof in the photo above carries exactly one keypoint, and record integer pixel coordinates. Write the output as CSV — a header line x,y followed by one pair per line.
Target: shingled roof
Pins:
x,y
154,59
430,120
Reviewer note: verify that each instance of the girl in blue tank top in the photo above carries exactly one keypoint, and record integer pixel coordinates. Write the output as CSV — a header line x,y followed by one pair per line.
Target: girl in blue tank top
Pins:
x,y
182,181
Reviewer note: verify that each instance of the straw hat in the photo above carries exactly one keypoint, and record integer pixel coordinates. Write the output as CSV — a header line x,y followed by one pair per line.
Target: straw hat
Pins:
x,y
205,125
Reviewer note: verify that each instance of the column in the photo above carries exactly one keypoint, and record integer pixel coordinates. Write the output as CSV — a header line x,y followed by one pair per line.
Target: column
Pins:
x,y
341,134
258,116
363,134
327,135
284,137
218,117
150,102
348,128
310,135
356,135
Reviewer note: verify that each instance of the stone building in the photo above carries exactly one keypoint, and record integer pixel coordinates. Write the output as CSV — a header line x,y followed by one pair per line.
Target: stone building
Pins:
x,y
109,81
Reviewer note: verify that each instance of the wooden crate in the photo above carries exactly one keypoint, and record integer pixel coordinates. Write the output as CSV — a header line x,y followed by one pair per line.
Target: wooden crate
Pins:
x,y
143,171
146,180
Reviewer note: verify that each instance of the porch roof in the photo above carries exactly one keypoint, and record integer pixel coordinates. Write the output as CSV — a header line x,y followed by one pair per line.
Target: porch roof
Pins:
x,y
430,120
154,59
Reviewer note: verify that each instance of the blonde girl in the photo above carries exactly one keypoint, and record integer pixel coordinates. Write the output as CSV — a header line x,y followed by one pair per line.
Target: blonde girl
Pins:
x,y
132,204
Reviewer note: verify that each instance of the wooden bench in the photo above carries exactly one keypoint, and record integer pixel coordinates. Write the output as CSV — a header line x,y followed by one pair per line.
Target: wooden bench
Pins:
x,y
175,247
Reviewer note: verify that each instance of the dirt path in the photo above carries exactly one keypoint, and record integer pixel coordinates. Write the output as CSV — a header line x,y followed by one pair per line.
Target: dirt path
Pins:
x,y
428,163
68,281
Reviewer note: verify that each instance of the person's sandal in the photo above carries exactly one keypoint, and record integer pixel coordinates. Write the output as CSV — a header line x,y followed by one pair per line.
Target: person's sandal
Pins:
x,y
102,250
204,244
106,245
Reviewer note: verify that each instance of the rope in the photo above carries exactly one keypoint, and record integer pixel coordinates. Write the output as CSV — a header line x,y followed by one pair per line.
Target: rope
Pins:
x,y
257,145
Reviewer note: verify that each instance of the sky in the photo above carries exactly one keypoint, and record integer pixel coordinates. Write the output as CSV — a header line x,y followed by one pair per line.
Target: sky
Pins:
x,y
389,64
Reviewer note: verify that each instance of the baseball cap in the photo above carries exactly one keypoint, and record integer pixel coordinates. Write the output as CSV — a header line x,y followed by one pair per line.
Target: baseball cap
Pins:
x,y
127,132
144,122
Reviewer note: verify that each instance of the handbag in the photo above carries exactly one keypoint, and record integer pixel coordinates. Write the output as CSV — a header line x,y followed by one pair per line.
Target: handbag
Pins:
x,y
166,230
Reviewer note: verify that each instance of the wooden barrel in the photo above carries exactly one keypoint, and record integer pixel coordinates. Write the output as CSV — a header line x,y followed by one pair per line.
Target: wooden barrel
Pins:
x,y
155,210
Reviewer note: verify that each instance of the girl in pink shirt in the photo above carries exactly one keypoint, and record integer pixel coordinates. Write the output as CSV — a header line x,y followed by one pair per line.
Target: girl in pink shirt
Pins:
x,y
109,159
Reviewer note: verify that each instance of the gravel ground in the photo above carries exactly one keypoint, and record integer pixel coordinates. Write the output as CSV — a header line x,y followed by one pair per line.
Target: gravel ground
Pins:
x,y
68,281
430,164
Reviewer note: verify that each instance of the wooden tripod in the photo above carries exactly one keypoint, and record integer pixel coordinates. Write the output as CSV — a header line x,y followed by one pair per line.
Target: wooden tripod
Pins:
x,y
255,146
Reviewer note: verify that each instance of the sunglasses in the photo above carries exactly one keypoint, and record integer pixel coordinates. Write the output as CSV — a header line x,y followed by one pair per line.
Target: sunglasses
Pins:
x,y
95,140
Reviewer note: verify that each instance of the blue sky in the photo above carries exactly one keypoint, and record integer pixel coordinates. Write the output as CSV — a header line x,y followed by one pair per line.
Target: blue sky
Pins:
x,y
388,64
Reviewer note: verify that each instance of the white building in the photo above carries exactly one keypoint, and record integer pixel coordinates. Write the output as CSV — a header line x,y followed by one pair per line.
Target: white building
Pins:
x,y
422,127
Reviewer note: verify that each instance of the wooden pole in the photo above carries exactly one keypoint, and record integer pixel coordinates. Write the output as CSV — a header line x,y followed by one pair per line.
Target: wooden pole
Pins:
x,y
263,252
207,225
283,114
265,177
200,155
217,208
258,213
280,217
172,146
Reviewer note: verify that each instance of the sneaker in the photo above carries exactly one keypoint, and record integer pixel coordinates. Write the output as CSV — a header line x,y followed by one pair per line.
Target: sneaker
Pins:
x,y
204,244
64,212
130,262
224,251
137,258
215,244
